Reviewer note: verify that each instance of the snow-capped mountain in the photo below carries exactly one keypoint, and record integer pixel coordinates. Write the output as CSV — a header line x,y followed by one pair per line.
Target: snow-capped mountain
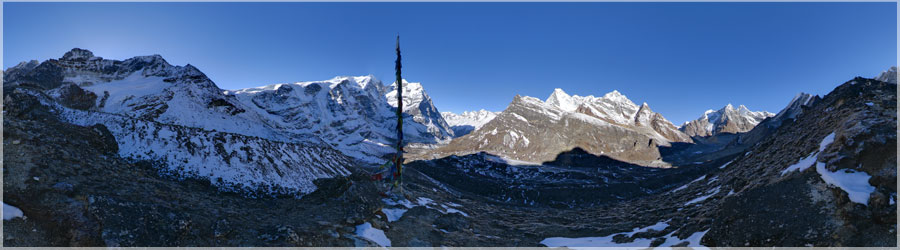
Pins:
x,y
534,130
148,87
278,137
725,120
566,102
427,124
354,114
888,76
616,108
468,121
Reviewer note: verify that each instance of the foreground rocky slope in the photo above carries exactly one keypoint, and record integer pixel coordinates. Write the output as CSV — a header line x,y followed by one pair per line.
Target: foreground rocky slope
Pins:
x,y
75,189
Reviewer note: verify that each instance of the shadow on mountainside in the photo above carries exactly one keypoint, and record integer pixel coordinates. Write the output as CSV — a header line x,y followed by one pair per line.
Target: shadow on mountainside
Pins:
x,y
574,178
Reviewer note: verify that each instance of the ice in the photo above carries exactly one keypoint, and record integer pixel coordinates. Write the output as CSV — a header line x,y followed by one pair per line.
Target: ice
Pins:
x,y
803,164
404,202
693,240
366,230
703,198
423,201
856,184
826,141
607,241
10,212
726,164
689,183
662,225
592,242
393,214
449,210
809,160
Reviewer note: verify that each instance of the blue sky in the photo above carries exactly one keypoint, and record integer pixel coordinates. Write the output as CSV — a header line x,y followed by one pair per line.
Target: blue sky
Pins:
x,y
680,58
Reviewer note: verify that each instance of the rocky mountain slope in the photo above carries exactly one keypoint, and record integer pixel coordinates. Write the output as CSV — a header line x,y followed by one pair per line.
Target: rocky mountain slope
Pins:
x,y
824,178
75,189
533,130
468,121
96,153
426,124
354,114
725,120
277,138
616,108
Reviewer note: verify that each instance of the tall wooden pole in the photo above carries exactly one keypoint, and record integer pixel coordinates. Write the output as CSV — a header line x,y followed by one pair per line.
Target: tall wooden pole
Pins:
x,y
399,163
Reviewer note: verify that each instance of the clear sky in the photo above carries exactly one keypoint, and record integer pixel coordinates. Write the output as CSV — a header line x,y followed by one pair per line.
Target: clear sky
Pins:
x,y
680,58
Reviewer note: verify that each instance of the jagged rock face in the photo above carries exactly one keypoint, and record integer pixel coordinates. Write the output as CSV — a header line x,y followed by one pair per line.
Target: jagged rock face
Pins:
x,y
531,130
468,121
645,119
351,114
145,87
764,129
354,114
725,120
429,125
616,108
888,76
272,140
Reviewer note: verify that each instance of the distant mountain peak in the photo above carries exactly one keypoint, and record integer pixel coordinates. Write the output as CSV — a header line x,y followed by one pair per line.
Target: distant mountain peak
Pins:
x,y
614,93
468,121
77,54
562,100
559,91
727,119
888,76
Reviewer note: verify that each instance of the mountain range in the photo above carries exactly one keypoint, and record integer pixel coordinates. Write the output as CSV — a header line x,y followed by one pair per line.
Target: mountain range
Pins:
x,y
725,120
534,130
139,152
468,121
229,135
